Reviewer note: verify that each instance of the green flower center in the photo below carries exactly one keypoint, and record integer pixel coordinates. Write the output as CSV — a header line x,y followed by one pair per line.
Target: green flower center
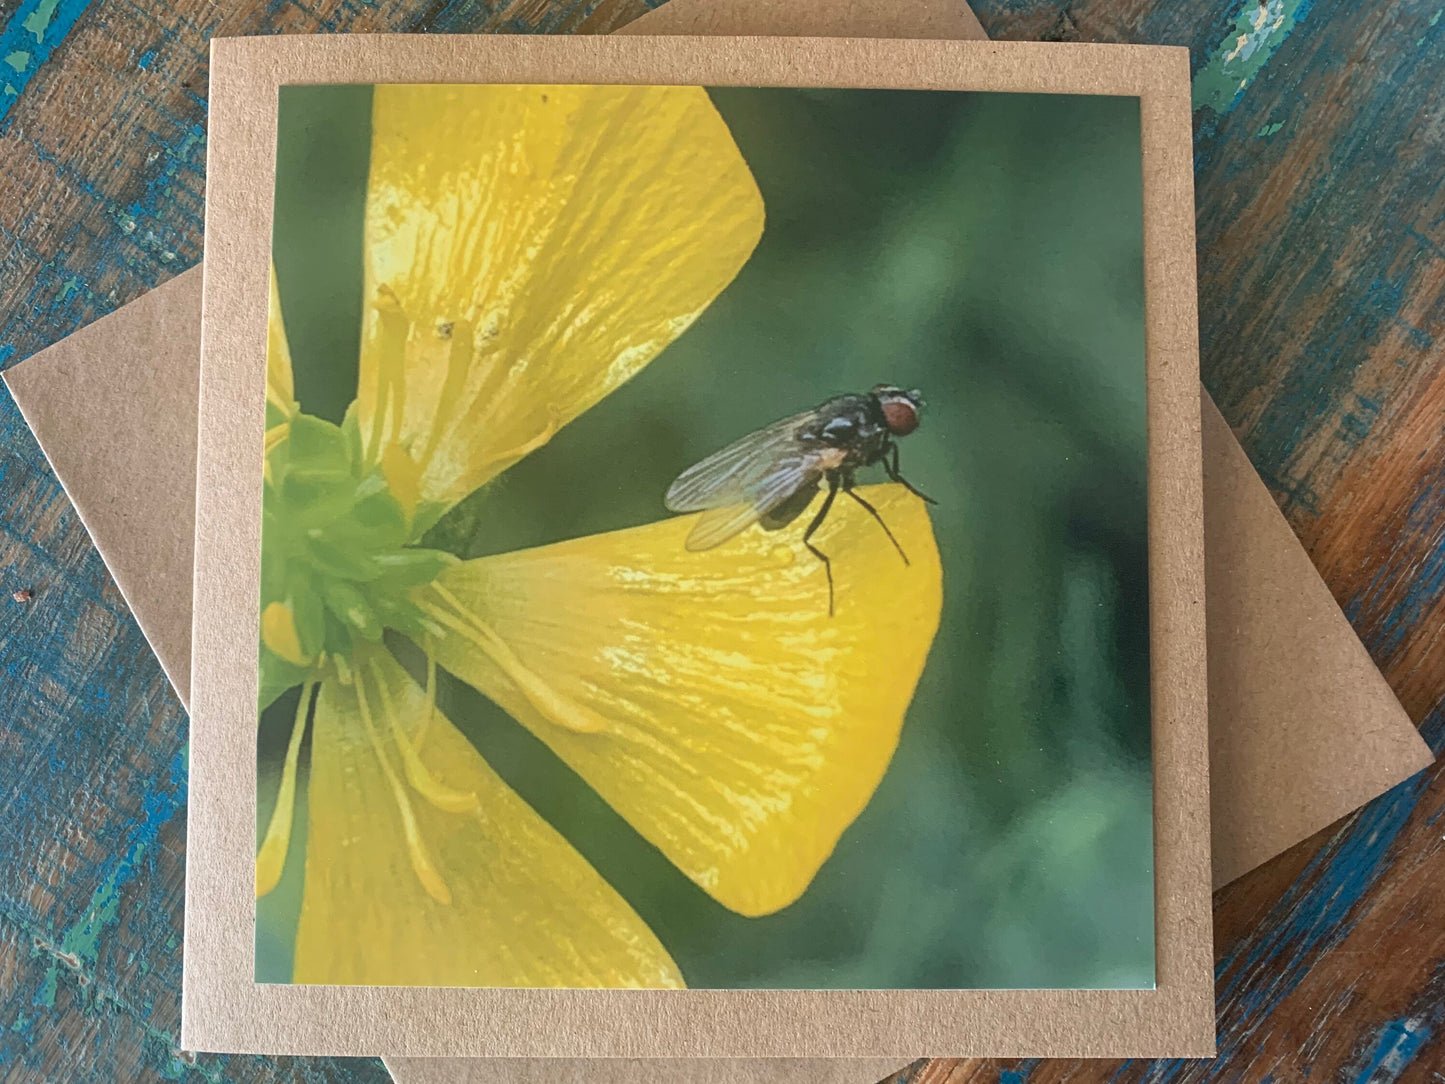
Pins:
x,y
338,566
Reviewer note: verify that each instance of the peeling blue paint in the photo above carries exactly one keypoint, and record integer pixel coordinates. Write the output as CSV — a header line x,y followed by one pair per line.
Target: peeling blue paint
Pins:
x,y
35,29
1314,914
184,159
1398,1042
1434,22
39,19
79,946
1259,30
1355,425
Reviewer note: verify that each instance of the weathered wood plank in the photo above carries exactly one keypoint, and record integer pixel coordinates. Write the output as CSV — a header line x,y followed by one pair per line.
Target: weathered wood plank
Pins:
x,y
1322,261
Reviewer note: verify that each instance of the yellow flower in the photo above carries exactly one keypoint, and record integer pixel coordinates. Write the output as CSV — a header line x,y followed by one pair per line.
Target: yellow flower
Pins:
x,y
528,249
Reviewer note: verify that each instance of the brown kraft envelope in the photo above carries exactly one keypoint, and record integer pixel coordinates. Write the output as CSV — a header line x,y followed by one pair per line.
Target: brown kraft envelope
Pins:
x,y
1289,679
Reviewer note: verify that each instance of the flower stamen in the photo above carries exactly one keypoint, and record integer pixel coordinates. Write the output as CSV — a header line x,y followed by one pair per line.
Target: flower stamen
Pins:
x,y
459,364
343,668
390,389
271,857
431,703
421,863
418,775
555,706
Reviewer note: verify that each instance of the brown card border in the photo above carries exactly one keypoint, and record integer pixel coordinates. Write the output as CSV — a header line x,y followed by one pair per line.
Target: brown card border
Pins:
x,y
223,1009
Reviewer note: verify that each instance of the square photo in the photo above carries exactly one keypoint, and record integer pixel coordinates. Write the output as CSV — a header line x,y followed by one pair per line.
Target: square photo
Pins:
x,y
705,541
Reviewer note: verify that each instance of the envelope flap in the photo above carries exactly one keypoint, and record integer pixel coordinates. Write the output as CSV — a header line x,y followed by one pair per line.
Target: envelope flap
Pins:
x,y
114,409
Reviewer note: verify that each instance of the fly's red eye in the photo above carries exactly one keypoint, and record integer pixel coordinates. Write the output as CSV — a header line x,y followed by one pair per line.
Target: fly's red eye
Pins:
x,y
901,417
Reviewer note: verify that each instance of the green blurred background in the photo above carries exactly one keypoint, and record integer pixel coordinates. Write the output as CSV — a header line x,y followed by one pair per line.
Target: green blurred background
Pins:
x,y
985,248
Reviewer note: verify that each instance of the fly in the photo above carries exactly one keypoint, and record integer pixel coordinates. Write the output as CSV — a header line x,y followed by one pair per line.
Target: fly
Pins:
x,y
771,476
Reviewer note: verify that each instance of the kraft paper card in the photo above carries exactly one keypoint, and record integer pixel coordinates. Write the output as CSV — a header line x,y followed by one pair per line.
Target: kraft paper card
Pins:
x,y
542,219
1331,648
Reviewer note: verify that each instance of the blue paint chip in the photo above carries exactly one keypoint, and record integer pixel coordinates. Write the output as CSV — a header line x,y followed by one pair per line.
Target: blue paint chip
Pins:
x,y
1396,1047
79,946
145,60
1260,28
35,29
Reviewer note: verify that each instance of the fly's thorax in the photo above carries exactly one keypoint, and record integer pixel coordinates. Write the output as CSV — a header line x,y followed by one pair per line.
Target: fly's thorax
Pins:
x,y
338,565
842,421
851,431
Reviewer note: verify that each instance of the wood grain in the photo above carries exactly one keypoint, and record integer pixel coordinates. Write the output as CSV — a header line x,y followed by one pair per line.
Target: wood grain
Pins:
x,y
1319,146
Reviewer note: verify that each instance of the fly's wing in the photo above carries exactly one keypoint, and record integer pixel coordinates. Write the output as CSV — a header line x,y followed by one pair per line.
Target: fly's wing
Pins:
x,y
717,525
744,481
724,477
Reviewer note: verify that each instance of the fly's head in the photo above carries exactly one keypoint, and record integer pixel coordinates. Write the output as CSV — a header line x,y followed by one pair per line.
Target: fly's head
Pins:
x,y
901,409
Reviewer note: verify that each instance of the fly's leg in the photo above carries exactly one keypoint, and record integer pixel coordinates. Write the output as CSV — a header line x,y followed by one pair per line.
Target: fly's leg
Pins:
x,y
848,489
891,467
818,522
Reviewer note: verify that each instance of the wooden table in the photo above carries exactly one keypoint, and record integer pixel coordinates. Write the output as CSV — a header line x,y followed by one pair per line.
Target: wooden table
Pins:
x,y
1320,147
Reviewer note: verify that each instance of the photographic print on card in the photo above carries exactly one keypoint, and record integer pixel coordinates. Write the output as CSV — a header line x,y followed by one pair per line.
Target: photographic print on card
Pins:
x,y
704,541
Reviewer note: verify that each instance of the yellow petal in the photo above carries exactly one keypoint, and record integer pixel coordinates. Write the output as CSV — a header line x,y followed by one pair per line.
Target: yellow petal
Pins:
x,y
278,632
743,729
528,249
279,388
491,896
